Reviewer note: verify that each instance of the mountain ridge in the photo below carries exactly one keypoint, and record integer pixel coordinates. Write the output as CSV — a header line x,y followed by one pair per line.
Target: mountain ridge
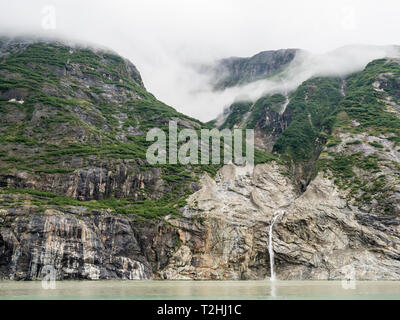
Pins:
x,y
235,71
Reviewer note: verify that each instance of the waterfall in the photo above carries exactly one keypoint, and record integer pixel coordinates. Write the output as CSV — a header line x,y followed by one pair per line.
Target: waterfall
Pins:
x,y
270,244
285,104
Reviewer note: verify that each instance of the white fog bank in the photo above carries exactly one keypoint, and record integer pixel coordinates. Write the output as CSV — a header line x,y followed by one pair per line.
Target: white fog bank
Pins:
x,y
164,39
191,92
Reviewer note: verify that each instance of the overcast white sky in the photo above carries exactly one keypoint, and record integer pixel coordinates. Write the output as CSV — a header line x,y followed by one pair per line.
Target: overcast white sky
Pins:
x,y
162,36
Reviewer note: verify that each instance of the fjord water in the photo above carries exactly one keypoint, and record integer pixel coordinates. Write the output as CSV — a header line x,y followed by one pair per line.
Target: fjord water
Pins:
x,y
120,289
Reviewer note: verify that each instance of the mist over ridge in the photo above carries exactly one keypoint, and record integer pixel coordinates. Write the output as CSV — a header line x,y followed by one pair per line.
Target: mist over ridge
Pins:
x,y
187,84
336,63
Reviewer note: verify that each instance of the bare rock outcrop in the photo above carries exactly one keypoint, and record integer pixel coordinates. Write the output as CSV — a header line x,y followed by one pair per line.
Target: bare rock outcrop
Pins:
x,y
318,237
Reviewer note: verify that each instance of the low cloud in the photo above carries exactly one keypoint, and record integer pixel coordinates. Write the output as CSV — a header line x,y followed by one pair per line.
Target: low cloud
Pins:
x,y
194,91
164,39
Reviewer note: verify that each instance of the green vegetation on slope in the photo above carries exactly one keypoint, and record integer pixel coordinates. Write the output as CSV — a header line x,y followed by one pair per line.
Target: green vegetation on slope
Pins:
x,y
236,113
262,105
312,107
368,178
366,105
77,108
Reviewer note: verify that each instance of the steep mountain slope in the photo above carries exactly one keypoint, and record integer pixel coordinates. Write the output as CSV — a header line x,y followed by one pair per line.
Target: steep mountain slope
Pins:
x,y
340,140
318,112
76,191
362,155
238,71
72,128
296,126
73,123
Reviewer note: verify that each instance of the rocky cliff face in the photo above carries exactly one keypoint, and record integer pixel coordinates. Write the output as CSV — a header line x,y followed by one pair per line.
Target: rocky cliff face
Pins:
x,y
81,244
222,234
238,71
319,236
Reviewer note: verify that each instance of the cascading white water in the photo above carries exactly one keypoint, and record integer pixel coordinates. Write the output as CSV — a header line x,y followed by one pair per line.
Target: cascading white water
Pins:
x,y
270,244
285,104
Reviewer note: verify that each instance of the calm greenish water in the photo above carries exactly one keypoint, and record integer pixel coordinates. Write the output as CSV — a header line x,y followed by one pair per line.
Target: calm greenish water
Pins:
x,y
119,289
